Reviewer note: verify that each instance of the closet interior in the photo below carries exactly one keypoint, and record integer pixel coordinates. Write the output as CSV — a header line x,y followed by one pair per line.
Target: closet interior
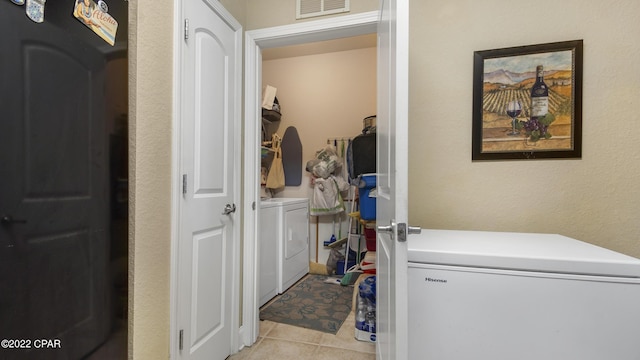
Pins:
x,y
317,99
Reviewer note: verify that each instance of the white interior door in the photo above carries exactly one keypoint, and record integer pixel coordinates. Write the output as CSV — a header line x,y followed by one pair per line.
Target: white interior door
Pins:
x,y
392,181
208,161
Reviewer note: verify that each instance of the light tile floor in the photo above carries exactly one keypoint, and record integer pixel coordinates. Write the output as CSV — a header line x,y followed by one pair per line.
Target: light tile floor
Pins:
x,y
281,342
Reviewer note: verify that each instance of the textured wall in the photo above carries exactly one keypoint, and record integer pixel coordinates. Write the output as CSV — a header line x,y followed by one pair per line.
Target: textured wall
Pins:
x,y
150,99
595,199
237,8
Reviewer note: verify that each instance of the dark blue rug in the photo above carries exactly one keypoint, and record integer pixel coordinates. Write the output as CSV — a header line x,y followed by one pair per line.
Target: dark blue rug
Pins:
x,y
313,304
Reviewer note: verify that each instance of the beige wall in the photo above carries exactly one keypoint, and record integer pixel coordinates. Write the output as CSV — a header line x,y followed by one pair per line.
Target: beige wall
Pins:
x,y
237,8
150,99
595,199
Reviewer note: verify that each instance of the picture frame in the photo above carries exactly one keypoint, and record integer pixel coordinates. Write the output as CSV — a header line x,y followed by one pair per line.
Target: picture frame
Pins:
x,y
547,124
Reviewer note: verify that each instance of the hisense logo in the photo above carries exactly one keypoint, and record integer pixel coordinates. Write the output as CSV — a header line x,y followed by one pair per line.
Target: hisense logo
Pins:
x,y
428,279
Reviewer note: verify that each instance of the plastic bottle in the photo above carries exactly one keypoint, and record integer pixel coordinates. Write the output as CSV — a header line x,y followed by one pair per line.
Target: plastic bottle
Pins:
x,y
360,314
370,321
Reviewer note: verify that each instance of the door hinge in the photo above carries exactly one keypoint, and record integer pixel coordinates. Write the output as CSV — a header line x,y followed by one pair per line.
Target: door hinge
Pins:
x,y
184,183
186,29
180,339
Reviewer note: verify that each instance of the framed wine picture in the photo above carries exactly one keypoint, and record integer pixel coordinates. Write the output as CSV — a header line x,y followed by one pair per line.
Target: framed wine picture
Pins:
x,y
527,102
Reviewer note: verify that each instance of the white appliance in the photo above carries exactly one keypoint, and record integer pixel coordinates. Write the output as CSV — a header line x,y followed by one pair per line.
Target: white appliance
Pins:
x,y
294,246
284,246
504,296
270,223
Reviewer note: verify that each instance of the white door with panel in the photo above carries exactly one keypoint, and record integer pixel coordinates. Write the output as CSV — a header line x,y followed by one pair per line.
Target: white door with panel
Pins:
x,y
209,91
392,180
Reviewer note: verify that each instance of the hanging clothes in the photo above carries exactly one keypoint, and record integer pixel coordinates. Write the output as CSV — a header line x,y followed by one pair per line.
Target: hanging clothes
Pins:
x,y
327,182
326,198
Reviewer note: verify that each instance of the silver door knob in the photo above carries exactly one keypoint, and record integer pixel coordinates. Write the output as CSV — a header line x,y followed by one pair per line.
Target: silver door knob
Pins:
x,y
385,228
414,230
228,209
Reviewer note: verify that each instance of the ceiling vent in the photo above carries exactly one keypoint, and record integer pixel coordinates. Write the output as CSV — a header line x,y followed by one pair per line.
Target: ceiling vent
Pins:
x,y
311,8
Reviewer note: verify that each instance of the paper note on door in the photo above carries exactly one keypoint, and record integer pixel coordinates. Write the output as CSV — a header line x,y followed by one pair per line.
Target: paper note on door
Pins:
x,y
96,19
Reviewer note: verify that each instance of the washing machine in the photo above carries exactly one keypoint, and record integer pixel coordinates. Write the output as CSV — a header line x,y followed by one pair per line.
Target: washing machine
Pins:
x,y
268,247
294,245
284,244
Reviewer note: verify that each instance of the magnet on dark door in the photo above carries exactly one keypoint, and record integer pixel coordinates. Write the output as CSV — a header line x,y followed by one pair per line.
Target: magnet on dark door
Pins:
x,y
103,6
35,10
100,22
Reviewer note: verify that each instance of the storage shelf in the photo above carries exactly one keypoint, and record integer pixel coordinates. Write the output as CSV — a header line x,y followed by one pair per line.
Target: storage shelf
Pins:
x,y
337,243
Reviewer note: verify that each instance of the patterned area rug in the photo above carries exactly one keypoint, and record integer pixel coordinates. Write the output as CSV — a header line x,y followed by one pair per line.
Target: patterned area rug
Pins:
x,y
313,304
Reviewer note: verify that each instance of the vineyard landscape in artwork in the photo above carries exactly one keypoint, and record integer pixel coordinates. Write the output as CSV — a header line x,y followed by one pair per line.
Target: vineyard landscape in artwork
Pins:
x,y
508,79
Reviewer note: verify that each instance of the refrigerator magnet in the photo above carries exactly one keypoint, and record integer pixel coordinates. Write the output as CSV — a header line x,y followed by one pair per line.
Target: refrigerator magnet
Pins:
x,y
95,18
102,5
35,10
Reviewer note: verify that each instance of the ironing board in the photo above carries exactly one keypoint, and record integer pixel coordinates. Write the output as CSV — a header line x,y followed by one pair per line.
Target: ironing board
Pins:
x,y
292,157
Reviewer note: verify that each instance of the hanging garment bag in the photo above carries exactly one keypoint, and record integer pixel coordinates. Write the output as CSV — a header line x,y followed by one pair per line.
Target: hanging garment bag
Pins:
x,y
363,153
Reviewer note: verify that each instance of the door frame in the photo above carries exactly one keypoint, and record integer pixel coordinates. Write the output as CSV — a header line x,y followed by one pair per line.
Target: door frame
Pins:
x,y
176,176
255,41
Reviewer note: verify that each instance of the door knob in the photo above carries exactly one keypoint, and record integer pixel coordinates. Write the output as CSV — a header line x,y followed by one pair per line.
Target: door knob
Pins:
x,y
403,230
414,230
386,229
229,208
8,219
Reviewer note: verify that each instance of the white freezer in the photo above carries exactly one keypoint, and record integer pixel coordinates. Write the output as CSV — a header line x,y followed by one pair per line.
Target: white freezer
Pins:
x,y
498,296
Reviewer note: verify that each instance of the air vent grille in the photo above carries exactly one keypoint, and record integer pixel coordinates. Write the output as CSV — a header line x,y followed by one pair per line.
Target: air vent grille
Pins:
x,y
311,8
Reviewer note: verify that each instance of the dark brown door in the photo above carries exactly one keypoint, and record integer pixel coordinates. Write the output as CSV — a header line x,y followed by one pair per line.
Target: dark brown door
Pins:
x,y
54,195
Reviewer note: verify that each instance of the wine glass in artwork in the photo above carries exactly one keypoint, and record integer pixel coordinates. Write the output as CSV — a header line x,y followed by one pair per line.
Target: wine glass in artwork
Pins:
x,y
514,108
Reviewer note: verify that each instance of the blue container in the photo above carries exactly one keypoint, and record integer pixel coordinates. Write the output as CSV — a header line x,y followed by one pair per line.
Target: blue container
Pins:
x,y
367,201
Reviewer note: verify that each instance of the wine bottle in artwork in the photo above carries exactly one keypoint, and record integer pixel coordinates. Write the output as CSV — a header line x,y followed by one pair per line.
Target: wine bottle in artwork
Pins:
x,y
539,95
